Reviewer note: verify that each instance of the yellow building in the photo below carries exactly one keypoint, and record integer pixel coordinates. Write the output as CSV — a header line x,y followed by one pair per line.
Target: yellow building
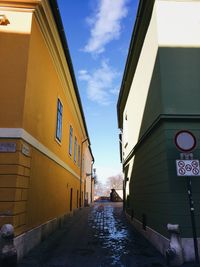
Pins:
x,y
43,133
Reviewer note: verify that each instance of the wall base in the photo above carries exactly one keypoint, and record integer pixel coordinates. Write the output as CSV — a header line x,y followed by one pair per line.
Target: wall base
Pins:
x,y
28,240
188,248
161,243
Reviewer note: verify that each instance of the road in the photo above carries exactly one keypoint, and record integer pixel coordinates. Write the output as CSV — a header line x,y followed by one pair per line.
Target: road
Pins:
x,y
97,236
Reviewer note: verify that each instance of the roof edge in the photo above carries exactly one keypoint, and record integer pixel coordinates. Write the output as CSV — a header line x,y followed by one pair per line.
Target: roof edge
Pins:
x,y
57,17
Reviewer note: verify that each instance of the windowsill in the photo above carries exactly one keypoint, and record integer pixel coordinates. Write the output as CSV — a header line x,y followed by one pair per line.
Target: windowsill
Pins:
x,y
58,142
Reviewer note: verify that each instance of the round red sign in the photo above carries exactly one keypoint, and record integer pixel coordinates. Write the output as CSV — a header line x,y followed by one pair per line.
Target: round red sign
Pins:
x,y
185,141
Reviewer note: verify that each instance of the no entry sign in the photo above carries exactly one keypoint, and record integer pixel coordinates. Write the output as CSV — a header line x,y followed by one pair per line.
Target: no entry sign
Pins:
x,y
187,167
185,141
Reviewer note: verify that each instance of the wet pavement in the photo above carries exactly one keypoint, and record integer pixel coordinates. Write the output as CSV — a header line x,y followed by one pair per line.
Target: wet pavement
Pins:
x,y
97,236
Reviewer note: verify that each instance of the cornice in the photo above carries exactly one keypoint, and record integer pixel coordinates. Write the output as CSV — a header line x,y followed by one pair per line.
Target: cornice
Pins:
x,y
160,119
44,18
23,134
20,4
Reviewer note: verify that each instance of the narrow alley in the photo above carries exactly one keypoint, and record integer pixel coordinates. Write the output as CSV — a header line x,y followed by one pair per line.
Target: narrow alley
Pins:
x,y
95,236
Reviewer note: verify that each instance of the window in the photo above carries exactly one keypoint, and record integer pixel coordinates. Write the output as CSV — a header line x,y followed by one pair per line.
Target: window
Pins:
x,y
59,120
79,156
70,139
75,148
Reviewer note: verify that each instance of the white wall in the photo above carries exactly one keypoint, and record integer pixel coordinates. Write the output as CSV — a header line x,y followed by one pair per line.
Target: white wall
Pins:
x,y
139,89
19,22
178,23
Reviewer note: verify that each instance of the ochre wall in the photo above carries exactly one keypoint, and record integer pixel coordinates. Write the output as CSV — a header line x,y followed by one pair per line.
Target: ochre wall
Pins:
x,y
49,193
13,60
14,184
14,46
43,89
14,166
50,184
35,188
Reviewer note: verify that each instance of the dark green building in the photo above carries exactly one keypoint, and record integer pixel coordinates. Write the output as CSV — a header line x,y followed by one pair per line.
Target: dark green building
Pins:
x,y
159,96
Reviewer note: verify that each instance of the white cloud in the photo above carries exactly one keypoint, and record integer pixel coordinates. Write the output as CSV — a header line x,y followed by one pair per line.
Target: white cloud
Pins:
x,y
100,83
105,24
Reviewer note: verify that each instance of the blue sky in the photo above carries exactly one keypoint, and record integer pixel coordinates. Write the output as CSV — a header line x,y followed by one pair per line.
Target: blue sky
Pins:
x,y
98,34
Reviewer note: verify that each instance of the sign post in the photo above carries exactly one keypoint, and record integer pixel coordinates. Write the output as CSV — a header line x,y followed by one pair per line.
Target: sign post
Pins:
x,y
186,142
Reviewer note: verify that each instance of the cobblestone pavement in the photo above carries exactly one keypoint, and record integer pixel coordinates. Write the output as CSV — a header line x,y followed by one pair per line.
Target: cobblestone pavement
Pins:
x,y
98,236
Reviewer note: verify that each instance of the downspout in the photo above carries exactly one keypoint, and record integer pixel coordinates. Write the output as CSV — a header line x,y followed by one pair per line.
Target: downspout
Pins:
x,y
81,169
91,179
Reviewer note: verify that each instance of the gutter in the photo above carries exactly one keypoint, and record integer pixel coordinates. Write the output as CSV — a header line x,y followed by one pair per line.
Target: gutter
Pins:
x,y
56,14
91,153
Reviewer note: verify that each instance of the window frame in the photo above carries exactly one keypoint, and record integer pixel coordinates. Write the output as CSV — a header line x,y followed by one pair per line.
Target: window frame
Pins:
x,y
70,140
59,119
75,149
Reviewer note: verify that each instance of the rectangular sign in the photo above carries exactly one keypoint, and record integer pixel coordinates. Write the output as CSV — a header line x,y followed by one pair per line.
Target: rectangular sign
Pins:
x,y
25,149
187,167
8,147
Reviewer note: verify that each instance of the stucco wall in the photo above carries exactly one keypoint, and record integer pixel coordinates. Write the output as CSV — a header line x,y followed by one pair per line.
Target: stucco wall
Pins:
x,y
178,23
35,73
136,101
155,188
164,98
42,91
14,48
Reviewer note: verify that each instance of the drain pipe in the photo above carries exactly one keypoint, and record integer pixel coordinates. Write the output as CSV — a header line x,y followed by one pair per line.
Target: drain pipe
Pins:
x,y
174,253
8,252
81,172
91,196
